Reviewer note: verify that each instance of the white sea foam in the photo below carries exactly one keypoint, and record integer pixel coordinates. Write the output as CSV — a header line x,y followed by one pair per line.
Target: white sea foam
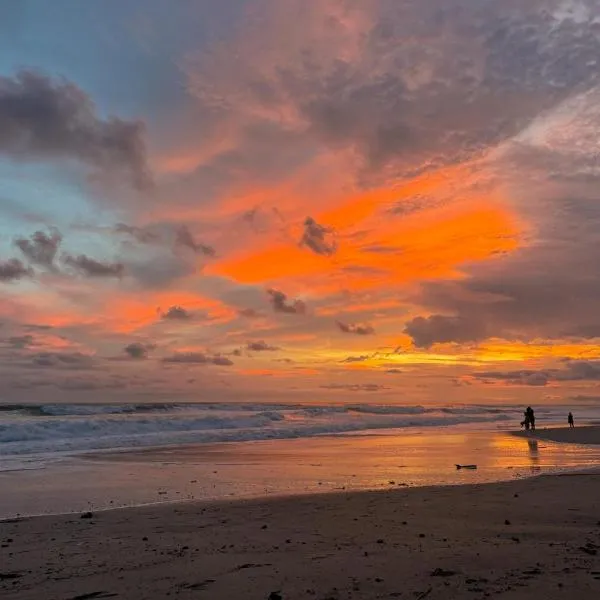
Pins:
x,y
49,428
29,429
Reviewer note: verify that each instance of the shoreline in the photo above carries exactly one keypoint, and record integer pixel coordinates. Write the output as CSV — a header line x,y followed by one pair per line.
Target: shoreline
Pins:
x,y
281,469
539,535
588,435
316,495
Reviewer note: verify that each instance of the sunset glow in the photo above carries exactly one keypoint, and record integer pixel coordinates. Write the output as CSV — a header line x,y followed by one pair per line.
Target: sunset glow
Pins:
x,y
237,207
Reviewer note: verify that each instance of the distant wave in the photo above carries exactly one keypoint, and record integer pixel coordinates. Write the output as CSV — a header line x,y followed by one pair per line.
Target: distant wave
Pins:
x,y
47,428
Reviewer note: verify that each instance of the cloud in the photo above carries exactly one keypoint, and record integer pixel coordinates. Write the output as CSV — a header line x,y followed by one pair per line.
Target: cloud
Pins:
x,y
574,370
185,239
140,234
249,313
549,287
21,341
280,303
222,361
426,331
355,359
355,387
356,328
13,270
579,370
439,96
41,248
261,346
197,358
137,350
156,269
44,118
90,267
176,313
62,360
316,236
518,377
381,249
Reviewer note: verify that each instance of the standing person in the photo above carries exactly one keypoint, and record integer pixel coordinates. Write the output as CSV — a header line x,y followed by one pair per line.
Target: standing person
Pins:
x,y
531,416
570,420
525,421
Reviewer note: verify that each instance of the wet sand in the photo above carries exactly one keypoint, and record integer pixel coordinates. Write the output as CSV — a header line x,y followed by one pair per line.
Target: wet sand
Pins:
x,y
575,435
534,538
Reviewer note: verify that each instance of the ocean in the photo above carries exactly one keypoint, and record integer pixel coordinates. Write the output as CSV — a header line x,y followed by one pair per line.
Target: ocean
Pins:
x,y
70,457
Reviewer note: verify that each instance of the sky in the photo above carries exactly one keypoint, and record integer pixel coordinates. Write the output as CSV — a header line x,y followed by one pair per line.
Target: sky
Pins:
x,y
332,200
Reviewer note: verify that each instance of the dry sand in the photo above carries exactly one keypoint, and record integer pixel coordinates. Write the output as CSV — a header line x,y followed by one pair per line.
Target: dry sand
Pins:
x,y
576,435
535,538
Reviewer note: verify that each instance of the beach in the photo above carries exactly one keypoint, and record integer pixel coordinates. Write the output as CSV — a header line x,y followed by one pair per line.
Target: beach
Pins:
x,y
575,435
537,537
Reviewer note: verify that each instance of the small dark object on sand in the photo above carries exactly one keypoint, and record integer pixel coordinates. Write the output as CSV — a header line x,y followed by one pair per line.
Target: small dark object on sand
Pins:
x,y
442,573
507,522
86,515
4,576
466,466
275,596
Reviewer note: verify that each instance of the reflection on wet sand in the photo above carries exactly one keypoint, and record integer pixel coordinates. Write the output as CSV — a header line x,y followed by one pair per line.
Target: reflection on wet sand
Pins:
x,y
284,467
534,454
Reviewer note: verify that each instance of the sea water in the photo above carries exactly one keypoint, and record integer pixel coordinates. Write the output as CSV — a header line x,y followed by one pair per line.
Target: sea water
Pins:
x,y
71,457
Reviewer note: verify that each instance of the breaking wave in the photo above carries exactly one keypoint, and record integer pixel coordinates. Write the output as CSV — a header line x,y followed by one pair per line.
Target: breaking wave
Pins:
x,y
32,429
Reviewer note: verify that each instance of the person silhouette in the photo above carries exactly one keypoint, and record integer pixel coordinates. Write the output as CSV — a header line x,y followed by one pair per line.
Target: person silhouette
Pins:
x,y
531,417
570,420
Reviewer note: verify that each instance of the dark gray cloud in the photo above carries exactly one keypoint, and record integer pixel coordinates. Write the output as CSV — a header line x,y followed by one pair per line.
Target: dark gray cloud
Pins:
x,y
41,247
197,358
318,238
13,270
426,331
62,360
157,269
222,361
90,267
355,359
573,370
280,303
261,346
518,377
185,239
355,328
140,234
137,350
177,313
44,118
